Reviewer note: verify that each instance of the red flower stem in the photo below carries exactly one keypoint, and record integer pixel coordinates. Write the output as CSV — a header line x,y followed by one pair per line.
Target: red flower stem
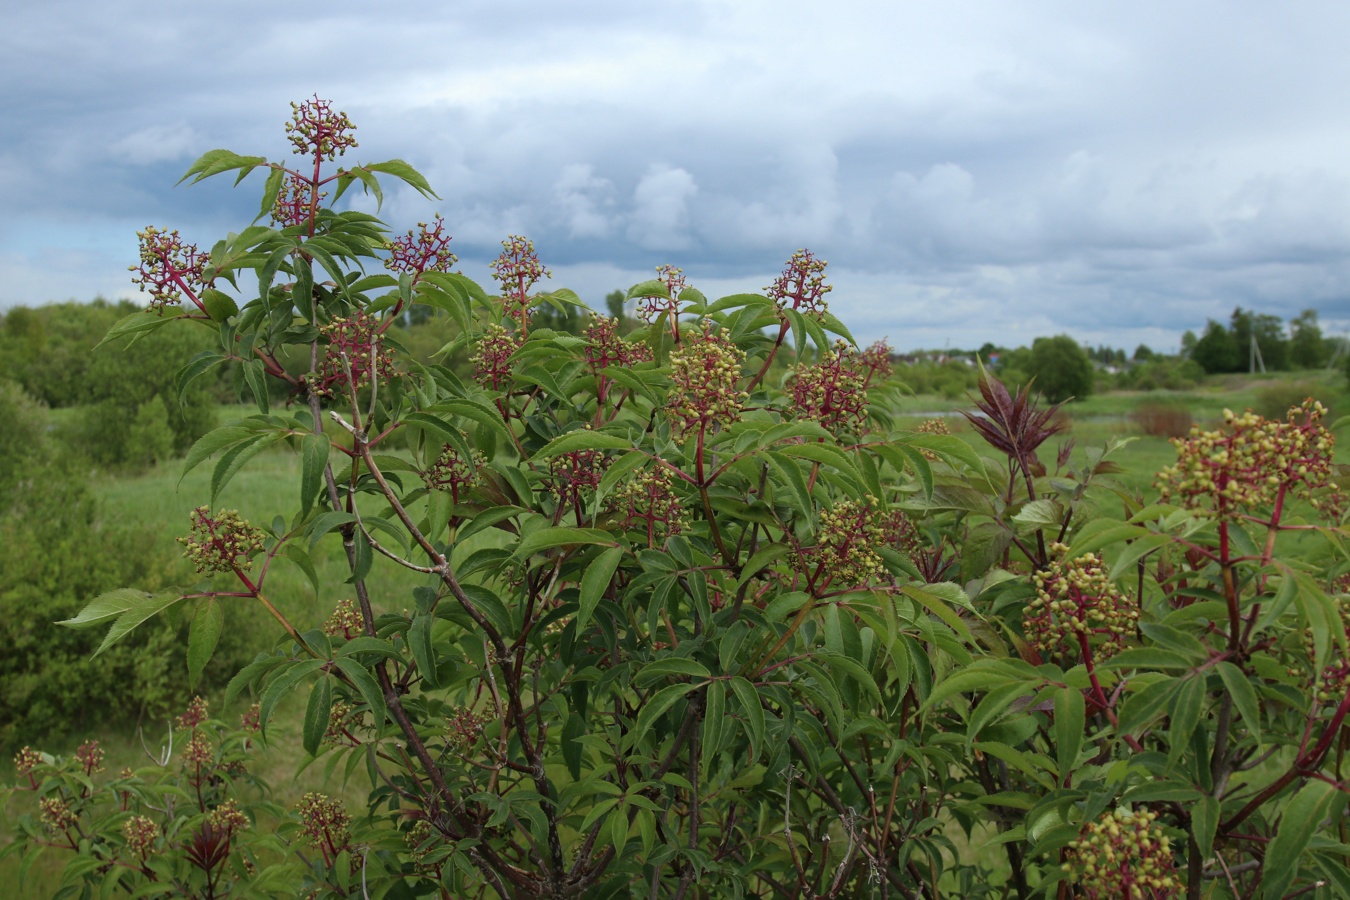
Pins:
x,y
764,369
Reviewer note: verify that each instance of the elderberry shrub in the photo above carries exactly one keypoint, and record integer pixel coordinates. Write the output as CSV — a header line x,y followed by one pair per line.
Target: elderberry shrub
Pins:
x,y
697,617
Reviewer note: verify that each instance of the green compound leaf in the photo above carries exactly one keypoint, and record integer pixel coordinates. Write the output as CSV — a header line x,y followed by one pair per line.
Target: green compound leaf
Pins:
x,y
1302,819
207,623
317,712
594,583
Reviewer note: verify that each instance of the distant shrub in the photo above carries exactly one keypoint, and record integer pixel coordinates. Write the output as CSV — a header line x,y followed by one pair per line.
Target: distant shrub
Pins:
x,y
1272,401
1163,374
58,552
1160,418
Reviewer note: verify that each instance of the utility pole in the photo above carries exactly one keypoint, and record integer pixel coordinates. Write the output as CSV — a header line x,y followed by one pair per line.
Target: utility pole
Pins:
x,y
1254,357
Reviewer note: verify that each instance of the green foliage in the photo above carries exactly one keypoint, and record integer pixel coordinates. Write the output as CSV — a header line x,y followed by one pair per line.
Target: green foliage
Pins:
x,y
1307,348
684,615
1061,368
57,554
1216,350
127,398
1165,373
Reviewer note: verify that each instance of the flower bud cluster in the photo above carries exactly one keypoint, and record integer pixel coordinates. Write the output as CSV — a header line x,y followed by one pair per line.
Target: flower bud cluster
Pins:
x,y
342,719
426,250
196,713
802,285
251,719
325,822
228,818
315,130
849,535
141,834
90,757
492,360
605,347
199,752
222,542
576,473
1074,600
295,202
518,269
649,309
1124,855
421,839
834,392
705,375
463,730
649,501
168,268
56,816
26,760
344,620
876,360
1330,685
1250,461
451,472
354,355
932,426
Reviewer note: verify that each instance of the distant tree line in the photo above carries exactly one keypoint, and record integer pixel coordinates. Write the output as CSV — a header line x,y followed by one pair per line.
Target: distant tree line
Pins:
x,y
1255,340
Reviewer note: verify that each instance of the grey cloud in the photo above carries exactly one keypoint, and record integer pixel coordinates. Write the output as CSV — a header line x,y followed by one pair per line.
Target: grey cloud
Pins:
x,y
970,173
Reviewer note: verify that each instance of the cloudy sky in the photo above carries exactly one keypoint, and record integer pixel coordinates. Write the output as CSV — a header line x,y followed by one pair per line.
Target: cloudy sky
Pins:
x,y
973,171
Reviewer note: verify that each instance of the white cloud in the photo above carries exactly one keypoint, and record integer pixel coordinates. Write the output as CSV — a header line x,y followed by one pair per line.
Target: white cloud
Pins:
x,y
660,217
585,201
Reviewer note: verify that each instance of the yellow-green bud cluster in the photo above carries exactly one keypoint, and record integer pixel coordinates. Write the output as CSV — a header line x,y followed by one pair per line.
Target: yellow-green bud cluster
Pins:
x,y
846,554
451,472
932,426
649,309
295,203
421,839
1331,684
221,543
1076,599
325,823
199,752
649,501
605,347
576,473
802,285
315,130
834,392
876,361
26,760
424,250
168,265
141,834
228,818
195,714
1247,463
353,347
342,719
251,719
344,620
463,730
1124,856
90,756
492,359
705,374
56,814
517,269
